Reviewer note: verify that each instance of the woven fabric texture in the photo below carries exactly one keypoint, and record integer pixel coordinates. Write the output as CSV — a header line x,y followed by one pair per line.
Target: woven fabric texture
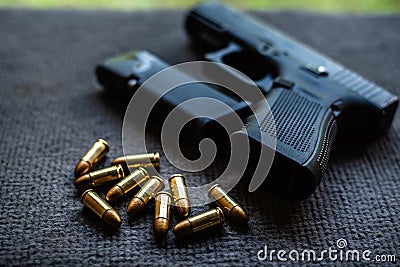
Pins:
x,y
51,111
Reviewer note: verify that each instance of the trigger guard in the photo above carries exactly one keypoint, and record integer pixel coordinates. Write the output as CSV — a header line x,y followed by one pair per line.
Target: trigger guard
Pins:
x,y
217,56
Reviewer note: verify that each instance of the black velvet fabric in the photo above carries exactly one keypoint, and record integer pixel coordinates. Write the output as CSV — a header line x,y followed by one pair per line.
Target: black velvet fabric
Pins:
x,y
51,111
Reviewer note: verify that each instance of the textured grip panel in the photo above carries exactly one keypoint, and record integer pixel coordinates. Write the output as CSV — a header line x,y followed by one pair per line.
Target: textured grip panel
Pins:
x,y
294,117
329,136
363,87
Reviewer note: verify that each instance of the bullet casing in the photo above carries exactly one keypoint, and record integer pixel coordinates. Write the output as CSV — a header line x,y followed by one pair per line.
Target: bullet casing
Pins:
x,y
105,175
163,202
94,202
221,198
101,208
148,191
144,195
178,187
199,222
139,160
123,187
206,219
229,206
180,194
97,152
137,177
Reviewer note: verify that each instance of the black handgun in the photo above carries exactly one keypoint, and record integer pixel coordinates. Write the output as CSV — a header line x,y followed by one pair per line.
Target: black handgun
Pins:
x,y
312,98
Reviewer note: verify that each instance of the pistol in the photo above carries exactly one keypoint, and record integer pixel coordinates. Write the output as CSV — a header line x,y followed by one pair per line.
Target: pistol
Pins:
x,y
312,98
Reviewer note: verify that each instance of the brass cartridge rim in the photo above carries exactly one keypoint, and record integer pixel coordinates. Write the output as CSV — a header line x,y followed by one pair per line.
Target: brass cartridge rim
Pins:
x,y
163,192
156,156
104,142
221,212
120,170
158,178
156,161
212,187
145,172
173,176
84,193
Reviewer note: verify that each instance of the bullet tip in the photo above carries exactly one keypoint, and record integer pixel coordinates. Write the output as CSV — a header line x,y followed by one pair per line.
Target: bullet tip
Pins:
x,y
114,194
161,226
183,228
135,206
83,182
239,215
82,168
183,207
112,218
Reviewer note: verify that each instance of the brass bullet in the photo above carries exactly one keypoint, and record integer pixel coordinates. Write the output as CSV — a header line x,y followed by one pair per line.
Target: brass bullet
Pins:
x,y
101,208
139,160
98,150
123,187
99,177
229,206
163,202
144,195
180,194
199,222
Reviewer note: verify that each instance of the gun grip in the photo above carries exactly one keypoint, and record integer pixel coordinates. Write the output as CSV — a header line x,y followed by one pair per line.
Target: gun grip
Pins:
x,y
305,131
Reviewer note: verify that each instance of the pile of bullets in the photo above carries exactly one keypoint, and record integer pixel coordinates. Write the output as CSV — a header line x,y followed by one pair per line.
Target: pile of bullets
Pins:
x,y
130,173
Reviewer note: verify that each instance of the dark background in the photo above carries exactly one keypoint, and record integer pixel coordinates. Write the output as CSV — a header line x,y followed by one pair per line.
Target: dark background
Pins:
x,y
51,111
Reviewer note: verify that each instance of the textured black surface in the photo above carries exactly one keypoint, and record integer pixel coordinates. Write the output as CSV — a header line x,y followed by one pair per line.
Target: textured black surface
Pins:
x,y
51,112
